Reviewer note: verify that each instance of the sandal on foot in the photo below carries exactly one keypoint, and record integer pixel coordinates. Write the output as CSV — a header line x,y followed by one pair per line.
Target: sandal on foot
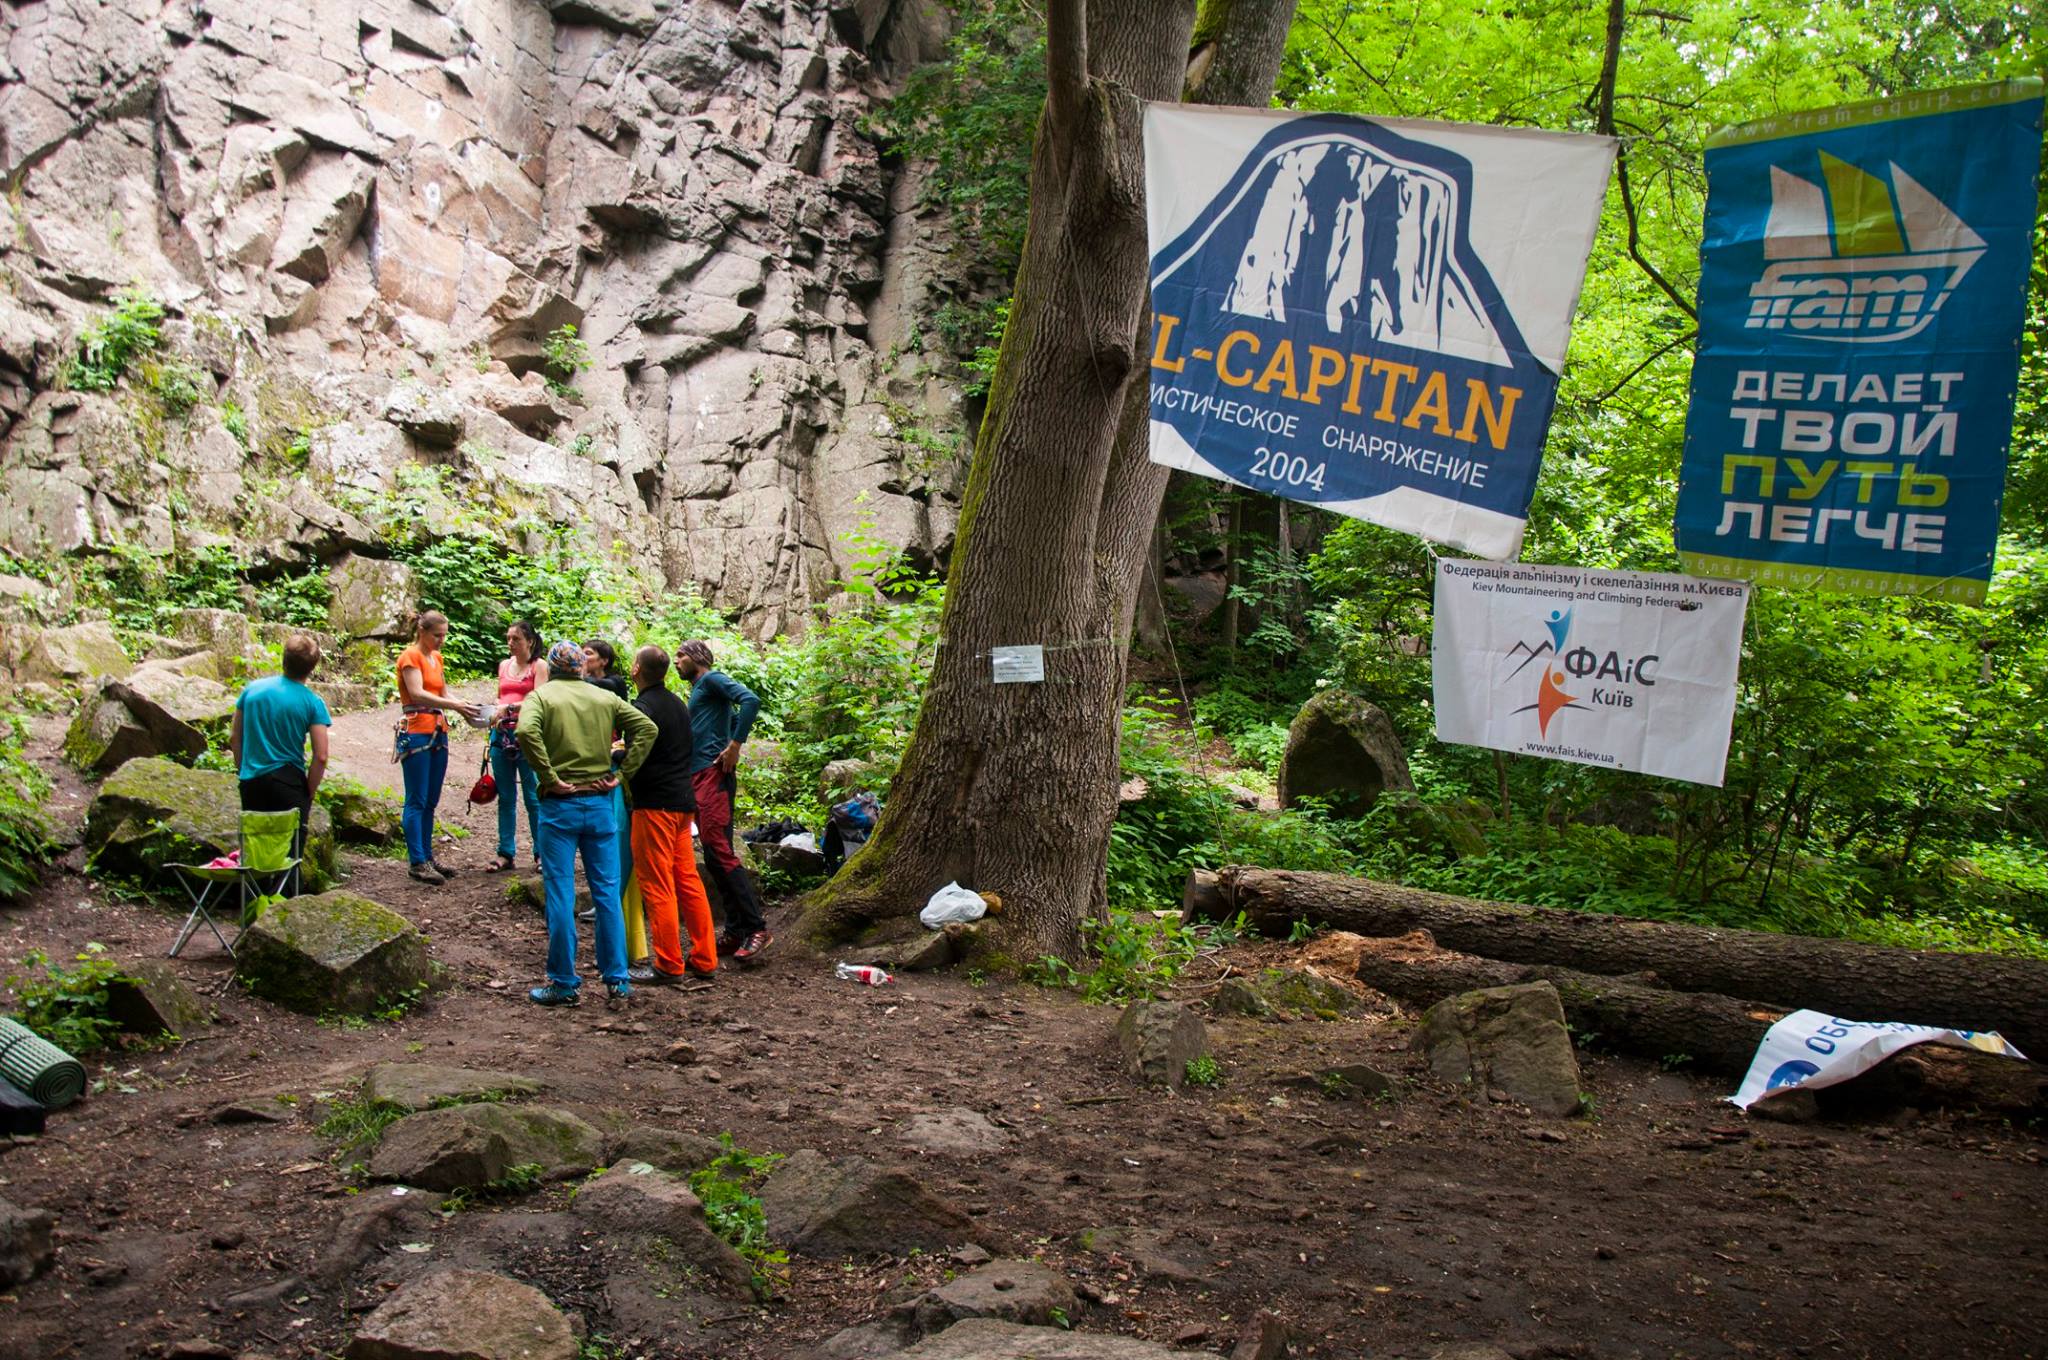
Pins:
x,y
503,864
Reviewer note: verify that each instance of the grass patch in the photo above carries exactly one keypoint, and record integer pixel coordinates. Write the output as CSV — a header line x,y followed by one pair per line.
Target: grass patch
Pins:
x,y
68,1006
726,1189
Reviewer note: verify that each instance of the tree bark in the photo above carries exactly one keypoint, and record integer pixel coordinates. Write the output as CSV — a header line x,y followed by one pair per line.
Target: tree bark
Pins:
x,y
1012,788
1859,981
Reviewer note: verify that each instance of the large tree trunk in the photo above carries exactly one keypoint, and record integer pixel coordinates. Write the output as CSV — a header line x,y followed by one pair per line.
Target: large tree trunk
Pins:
x,y
1012,788
1701,1031
1859,981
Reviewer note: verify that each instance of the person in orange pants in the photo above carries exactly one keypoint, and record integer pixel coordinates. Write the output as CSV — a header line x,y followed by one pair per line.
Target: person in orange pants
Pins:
x,y
663,859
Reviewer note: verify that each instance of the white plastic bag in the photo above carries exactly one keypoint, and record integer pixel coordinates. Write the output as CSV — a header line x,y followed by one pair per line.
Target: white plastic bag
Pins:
x,y
800,840
952,903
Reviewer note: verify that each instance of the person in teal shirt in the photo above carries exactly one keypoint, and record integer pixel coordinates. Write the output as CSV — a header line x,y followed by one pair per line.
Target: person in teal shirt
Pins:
x,y
275,720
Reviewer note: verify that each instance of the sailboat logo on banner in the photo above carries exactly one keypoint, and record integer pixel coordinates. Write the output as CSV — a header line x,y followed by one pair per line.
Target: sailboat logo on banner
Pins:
x,y
1857,258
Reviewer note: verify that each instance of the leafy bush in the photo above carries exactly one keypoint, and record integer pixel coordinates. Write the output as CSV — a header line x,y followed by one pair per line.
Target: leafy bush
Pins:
x,y
300,600
726,1189
106,347
1202,1070
565,354
68,1005
24,832
484,585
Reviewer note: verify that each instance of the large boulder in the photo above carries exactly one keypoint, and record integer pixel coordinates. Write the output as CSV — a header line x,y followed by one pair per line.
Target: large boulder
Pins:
x,y
363,816
84,651
639,1197
465,1315
332,953
371,597
1343,751
25,1246
420,1086
152,812
1507,1039
161,709
467,1147
222,631
1157,1040
148,998
820,1206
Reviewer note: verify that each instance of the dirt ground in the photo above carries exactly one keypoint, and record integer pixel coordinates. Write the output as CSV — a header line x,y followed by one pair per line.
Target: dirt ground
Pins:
x,y
1663,1225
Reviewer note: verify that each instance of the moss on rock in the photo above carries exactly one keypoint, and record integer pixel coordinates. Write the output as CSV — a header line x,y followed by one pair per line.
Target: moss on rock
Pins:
x,y
153,811
333,953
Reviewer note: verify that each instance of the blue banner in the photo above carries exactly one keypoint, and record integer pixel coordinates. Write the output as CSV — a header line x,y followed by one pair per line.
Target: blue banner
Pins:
x,y
1863,281
1366,315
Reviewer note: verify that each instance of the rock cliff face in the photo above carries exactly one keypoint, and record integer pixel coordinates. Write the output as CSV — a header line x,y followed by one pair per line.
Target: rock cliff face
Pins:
x,y
364,217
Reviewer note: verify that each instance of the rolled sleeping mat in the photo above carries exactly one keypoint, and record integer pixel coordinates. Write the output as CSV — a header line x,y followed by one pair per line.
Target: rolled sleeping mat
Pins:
x,y
39,1067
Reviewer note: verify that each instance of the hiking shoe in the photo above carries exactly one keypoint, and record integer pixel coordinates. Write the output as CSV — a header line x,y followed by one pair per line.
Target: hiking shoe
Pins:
x,y
750,948
653,977
425,873
691,970
553,995
443,870
730,942
617,991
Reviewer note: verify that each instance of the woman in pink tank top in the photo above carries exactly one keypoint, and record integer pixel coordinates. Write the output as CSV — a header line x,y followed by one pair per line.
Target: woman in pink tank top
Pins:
x,y
517,675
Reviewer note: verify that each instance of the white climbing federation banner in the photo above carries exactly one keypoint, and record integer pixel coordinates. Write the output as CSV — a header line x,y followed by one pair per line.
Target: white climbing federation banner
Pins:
x,y
1622,669
1369,315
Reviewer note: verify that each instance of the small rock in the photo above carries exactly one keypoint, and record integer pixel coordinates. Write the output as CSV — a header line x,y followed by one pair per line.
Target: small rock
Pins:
x,y
1349,1081
1015,1291
682,1053
1147,1249
1157,1039
25,1243
990,1339
106,1273
227,1239
420,1086
1789,1105
465,1315
1192,1335
151,999
1286,991
1264,1339
666,1149
639,1198
470,1146
197,1348
1507,1039
969,1255
954,1133
1544,1135
818,1206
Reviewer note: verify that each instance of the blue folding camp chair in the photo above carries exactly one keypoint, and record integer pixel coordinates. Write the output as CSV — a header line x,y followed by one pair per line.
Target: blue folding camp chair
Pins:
x,y
269,865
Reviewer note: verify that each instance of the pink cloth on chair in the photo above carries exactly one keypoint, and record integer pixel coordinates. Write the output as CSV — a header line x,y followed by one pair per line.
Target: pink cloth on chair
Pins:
x,y
231,860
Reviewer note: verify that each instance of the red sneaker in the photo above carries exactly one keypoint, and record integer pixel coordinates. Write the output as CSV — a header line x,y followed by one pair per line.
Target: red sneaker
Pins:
x,y
751,947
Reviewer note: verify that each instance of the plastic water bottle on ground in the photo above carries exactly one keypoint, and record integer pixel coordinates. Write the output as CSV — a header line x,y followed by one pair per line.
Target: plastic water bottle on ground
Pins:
x,y
864,973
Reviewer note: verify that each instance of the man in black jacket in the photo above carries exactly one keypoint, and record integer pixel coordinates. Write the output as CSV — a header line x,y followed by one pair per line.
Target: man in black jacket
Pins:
x,y
663,806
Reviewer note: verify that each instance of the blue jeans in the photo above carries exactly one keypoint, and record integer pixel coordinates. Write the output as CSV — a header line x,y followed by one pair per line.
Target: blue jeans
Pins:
x,y
568,825
515,777
423,758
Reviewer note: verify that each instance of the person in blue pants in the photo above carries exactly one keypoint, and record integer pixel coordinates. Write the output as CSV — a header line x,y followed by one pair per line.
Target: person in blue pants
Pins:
x,y
518,673
422,740
565,731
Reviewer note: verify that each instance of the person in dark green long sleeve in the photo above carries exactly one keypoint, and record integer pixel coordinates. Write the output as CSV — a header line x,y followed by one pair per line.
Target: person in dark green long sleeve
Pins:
x,y
565,732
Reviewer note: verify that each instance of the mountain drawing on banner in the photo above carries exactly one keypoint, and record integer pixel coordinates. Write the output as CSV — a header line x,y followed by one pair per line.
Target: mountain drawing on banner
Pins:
x,y
1334,229
1857,258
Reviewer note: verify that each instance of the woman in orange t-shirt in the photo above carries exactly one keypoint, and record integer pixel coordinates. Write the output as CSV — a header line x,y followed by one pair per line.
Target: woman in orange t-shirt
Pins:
x,y
422,740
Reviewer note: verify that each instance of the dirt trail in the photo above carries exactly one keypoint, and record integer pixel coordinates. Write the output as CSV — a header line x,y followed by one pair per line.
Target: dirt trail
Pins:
x,y
1663,1226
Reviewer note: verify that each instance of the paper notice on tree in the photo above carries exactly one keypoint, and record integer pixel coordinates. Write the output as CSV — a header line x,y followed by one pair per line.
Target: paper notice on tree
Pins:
x,y
1625,670
1017,665
1812,1049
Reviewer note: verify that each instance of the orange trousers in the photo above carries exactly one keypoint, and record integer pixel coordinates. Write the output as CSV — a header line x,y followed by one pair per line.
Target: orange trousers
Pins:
x,y
666,865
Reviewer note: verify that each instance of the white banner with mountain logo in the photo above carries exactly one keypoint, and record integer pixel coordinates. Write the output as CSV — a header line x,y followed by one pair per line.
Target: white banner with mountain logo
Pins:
x,y
1369,315
1622,669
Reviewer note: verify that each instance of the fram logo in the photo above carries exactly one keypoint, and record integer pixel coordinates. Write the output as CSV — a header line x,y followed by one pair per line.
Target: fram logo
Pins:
x,y
1550,695
1857,257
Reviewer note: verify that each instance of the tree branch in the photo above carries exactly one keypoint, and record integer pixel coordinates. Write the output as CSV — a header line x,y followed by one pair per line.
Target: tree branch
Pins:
x,y
1610,66
1066,60
1655,355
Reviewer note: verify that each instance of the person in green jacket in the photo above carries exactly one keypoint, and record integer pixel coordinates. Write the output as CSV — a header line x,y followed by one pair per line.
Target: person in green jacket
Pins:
x,y
565,732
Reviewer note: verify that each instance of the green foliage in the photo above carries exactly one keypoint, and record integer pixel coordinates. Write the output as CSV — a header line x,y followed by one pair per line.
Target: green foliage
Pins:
x,y
972,119
522,1179
68,1006
565,355
353,1122
300,600
1202,1070
24,831
236,422
107,346
726,1189
176,384
484,585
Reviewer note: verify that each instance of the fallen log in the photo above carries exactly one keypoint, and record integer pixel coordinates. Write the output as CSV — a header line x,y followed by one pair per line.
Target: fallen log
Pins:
x,y
1700,1031
1858,981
